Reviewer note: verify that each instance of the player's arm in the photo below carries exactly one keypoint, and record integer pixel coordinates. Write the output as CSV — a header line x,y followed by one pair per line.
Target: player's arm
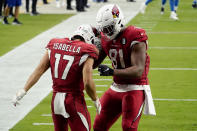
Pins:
x,y
33,78
101,57
88,80
89,83
138,59
38,72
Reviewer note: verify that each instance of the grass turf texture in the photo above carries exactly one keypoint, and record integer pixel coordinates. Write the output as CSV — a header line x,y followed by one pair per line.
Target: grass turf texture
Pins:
x,y
12,36
162,32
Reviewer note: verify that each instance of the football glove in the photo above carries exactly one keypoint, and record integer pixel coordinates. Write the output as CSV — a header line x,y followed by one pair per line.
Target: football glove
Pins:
x,y
97,104
105,70
19,95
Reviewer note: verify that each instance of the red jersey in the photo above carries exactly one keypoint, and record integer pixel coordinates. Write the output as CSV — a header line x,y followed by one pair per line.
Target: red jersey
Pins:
x,y
119,51
66,62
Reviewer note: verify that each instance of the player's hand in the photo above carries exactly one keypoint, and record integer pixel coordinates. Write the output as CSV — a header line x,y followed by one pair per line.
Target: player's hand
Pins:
x,y
105,70
97,104
19,95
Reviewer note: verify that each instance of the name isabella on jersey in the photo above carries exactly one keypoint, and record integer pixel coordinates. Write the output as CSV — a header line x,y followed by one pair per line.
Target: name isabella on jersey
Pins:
x,y
69,48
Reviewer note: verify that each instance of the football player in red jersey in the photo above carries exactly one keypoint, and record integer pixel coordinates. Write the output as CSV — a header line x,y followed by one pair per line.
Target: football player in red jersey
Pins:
x,y
130,92
71,64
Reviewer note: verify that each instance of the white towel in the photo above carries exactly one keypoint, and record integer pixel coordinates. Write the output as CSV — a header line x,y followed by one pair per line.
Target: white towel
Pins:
x,y
149,108
59,107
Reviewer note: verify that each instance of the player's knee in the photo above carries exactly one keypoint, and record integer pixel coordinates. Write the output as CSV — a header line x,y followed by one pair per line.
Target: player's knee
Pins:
x,y
128,126
95,127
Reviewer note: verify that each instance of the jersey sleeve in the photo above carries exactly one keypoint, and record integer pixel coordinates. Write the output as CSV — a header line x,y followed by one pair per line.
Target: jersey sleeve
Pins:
x,y
92,51
139,35
89,51
50,44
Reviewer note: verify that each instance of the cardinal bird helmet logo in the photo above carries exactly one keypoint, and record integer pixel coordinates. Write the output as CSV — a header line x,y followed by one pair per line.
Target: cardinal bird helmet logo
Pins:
x,y
115,12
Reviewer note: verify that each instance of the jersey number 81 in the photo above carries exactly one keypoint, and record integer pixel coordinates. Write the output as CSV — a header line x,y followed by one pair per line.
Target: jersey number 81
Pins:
x,y
113,54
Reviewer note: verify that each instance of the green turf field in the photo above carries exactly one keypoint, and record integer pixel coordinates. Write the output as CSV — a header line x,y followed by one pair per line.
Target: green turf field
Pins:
x,y
14,35
179,55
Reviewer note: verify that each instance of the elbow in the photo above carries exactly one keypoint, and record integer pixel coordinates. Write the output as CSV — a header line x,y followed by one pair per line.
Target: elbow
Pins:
x,y
139,73
87,84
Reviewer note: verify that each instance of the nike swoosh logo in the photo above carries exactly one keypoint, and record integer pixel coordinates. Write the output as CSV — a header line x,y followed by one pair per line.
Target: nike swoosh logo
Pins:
x,y
106,70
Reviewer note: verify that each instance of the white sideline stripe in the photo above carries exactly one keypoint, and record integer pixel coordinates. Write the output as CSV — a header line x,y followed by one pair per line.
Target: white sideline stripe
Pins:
x,y
43,124
175,69
96,74
172,69
102,79
173,48
99,91
96,92
160,99
88,99
101,85
46,115
186,32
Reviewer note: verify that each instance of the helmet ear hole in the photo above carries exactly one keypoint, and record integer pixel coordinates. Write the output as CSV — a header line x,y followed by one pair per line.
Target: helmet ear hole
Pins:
x,y
119,21
92,41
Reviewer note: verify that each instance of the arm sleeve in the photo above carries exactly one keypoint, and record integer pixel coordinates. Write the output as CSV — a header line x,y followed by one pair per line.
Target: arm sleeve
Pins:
x,y
92,51
50,44
139,36
89,51
100,59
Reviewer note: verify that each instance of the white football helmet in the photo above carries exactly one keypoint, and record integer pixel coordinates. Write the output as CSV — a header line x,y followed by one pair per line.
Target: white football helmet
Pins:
x,y
110,20
85,31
